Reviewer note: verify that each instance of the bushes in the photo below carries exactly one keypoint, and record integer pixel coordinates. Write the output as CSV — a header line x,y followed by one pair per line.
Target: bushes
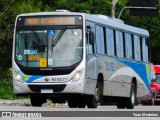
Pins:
x,y
6,87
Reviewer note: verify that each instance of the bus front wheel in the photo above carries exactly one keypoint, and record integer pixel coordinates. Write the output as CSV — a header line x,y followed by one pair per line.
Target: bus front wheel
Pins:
x,y
72,104
36,100
93,100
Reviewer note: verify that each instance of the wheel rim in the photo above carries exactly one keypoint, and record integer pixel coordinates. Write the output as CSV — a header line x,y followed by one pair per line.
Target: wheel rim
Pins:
x,y
153,101
133,97
97,94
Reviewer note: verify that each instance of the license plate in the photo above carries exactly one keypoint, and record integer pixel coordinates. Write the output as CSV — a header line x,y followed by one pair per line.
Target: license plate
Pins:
x,y
46,90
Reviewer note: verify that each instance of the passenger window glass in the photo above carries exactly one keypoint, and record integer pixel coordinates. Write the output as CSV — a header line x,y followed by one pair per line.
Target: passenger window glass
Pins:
x,y
128,41
145,49
137,52
89,45
119,44
110,41
100,40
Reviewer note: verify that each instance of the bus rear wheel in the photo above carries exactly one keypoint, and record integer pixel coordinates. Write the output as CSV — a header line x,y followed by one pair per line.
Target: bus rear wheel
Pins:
x,y
131,100
121,103
127,102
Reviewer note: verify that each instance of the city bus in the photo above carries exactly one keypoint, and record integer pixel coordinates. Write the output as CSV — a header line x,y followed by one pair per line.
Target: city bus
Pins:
x,y
80,59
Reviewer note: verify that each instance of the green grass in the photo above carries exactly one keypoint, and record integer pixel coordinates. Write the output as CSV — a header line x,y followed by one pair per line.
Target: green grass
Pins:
x,y
6,87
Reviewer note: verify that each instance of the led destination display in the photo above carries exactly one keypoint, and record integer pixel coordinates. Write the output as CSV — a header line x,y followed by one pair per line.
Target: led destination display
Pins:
x,y
50,21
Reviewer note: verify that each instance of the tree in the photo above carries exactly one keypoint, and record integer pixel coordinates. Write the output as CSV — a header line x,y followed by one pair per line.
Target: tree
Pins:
x,y
152,24
9,9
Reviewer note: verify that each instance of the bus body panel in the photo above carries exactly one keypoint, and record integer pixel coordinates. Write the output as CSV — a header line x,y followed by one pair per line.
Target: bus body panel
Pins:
x,y
118,75
91,77
71,87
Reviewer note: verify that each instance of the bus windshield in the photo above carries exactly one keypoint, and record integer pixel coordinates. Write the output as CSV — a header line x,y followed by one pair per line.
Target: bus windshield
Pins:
x,y
158,77
58,47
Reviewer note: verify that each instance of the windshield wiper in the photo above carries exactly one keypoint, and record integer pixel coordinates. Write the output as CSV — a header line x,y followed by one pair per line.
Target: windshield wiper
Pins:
x,y
37,37
58,37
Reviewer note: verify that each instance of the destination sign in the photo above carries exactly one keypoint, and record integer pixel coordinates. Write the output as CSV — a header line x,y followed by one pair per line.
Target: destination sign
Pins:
x,y
49,21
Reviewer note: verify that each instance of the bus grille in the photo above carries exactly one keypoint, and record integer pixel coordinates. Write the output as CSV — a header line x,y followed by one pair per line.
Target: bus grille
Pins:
x,y
56,88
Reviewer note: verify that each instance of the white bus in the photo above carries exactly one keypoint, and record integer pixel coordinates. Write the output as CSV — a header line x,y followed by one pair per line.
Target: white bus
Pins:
x,y
81,59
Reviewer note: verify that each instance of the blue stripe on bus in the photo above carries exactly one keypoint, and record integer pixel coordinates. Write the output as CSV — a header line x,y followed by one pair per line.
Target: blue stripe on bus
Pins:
x,y
29,78
141,69
32,78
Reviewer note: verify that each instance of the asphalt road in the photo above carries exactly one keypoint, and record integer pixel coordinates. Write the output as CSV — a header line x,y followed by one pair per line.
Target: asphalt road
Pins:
x,y
62,112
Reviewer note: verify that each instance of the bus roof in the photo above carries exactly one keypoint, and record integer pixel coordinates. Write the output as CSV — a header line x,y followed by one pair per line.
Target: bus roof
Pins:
x,y
116,23
100,19
157,68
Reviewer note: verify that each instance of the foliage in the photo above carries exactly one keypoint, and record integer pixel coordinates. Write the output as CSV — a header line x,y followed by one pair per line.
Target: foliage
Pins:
x,y
6,90
9,9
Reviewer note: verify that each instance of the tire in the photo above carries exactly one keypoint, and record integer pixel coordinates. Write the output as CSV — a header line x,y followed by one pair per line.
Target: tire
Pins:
x,y
72,103
101,99
37,101
121,103
157,102
146,103
78,101
130,102
82,102
137,101
93,100
153,100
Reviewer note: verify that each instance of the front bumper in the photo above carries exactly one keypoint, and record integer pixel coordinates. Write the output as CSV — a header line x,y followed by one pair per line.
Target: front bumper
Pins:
x,y
29,88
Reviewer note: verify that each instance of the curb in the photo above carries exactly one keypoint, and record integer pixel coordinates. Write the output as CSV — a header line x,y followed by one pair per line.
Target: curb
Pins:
x,y
20,102
26,102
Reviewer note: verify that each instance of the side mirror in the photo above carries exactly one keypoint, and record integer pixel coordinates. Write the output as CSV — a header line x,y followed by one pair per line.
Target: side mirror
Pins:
x,y
91,36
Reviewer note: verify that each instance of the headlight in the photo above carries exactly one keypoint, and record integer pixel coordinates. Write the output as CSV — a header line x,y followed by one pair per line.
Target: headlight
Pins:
x,y
77,76
18,77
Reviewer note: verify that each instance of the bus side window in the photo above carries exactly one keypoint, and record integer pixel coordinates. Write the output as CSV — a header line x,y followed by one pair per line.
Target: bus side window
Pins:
x,y
100,40
129,46
119,44
90,43
145,49
110,41
137,52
